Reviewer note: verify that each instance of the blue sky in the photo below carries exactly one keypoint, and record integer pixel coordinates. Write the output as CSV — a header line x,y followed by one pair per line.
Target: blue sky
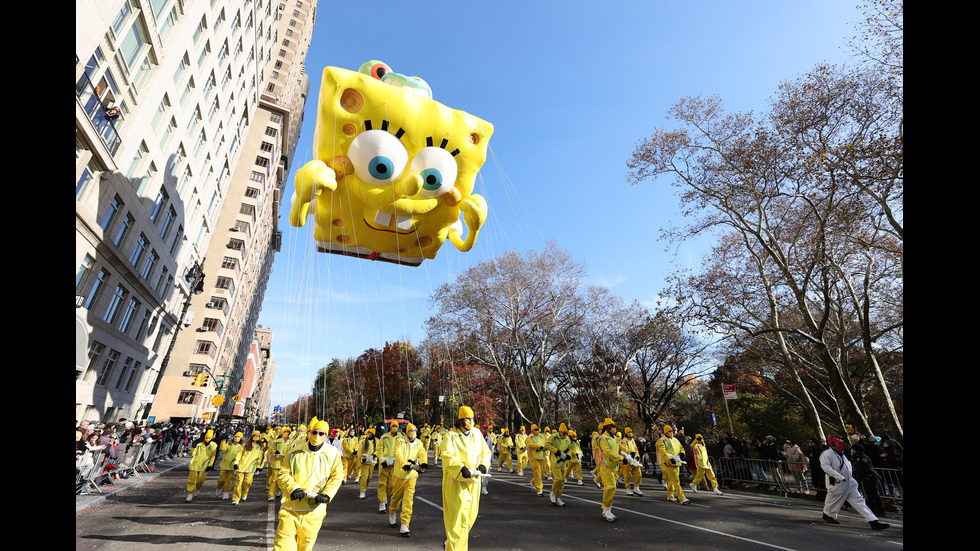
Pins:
x,y
570,89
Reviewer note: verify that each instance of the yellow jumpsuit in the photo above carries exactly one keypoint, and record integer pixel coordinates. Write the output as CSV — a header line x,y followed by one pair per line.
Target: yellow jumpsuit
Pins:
x,y
461,496
632,476
386,465
666,446
575,464
437,437
226,478
609,469
202,457
503,456
368,459
315,472
535,445
349,453
277,452
704,466
403,490
425,435
249,460
520,446
559,445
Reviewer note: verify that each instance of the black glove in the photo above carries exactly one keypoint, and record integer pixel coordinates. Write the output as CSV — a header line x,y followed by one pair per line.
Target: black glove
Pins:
x,y
384,463
210,468
297,494
424,466
625,462
322,498
234,467
833,481
633,455
681,455
363,461
482,469
465,472
406,468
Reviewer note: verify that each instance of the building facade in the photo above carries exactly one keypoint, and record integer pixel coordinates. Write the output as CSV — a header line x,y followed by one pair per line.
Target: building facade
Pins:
x,y
175,177
223,318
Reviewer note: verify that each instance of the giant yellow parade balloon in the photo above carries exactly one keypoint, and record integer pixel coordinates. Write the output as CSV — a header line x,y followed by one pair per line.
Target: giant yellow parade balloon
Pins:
x,y
394,170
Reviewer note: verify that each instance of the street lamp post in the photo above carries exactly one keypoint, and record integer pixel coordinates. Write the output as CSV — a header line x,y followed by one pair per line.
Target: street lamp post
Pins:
x,y
195,282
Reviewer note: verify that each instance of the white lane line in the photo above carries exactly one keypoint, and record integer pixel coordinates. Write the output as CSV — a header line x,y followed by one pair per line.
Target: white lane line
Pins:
x,y
422,499
599,503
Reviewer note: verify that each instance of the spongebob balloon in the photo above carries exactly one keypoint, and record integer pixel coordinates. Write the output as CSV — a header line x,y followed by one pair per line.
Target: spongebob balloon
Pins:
x,y
394,170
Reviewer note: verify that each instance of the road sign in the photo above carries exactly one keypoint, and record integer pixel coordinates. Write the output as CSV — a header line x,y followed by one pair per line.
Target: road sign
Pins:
x,y
729,392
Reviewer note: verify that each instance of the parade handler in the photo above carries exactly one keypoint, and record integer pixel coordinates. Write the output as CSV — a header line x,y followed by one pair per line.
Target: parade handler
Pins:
x,y
465,453
310,475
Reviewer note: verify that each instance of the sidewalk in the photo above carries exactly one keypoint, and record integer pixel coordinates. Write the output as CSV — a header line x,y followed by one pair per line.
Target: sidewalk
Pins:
x,y
86,500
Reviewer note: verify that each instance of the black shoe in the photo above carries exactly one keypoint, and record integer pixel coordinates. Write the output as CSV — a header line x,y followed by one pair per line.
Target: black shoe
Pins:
x,y
877,525
831,519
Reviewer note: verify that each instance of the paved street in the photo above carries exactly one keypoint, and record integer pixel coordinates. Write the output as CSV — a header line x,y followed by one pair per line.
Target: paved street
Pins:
x,y
152,514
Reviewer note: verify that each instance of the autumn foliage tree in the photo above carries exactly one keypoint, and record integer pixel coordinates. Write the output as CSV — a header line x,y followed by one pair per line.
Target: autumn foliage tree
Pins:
x,y
805,202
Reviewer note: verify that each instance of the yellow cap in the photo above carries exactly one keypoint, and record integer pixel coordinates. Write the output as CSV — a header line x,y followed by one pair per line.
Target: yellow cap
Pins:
x,y
410,427
464,412
320,425
606,421
562,428
572,433
668,428
628,431
534,427
238,435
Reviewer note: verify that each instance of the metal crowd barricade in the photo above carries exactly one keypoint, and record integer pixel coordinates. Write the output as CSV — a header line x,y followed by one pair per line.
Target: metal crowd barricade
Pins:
x,y
745,471
890,486
131,460
90,468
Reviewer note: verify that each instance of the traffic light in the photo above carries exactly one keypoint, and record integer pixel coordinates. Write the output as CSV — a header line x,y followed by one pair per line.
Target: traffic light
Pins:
x,y
201,380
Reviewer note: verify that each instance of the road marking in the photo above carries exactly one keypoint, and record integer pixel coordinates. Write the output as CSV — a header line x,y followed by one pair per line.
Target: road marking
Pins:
x,y
427,501
599,503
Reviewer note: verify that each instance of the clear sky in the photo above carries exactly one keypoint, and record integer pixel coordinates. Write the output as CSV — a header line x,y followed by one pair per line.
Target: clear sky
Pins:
x,y
570,88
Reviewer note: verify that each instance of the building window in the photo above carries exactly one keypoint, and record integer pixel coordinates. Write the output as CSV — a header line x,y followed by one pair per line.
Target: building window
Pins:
x,y
130,314
271,131
97,288
110,216
107,366
133,376
151,263
213,324
95,350
226,283
144,323
139,250
229,263
257,177
168,222
112,311
251,192
84,270
261,161
158,203
219,303
188,397
127,365
205,347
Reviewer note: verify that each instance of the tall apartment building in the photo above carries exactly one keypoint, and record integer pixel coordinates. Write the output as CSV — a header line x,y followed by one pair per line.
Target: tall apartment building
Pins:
x,y
165,93
221,339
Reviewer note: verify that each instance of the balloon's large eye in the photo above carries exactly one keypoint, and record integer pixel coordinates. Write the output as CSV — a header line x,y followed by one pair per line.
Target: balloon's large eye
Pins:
x,y
379,69
437,167
378,157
